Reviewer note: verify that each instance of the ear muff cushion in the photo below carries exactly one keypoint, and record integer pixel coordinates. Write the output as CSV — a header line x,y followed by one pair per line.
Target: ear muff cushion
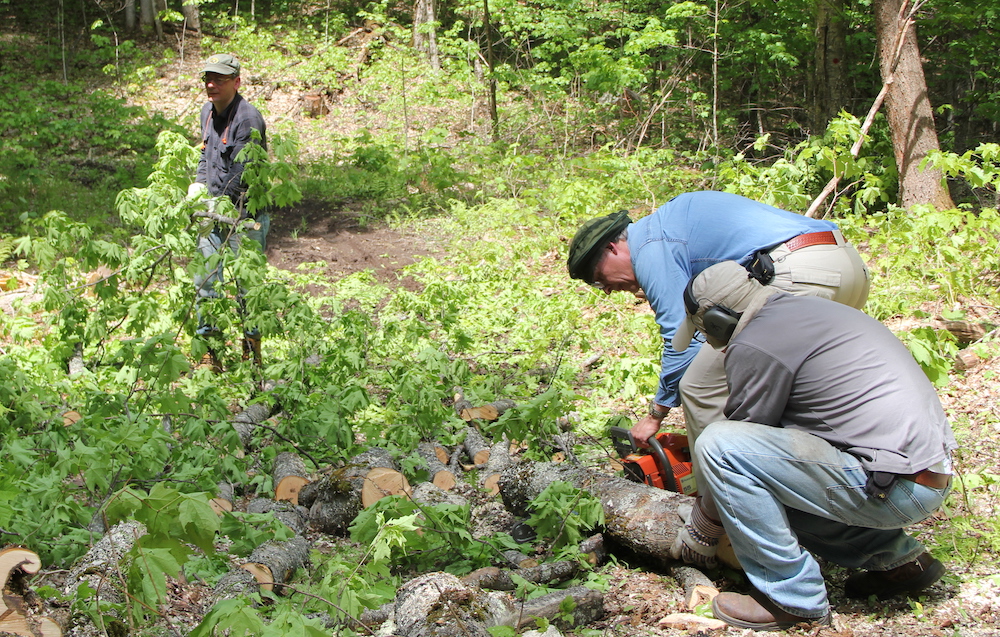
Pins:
x,y
720,323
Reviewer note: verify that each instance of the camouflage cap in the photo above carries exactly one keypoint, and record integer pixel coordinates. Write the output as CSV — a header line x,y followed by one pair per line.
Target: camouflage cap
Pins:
x,y
590,239
223,64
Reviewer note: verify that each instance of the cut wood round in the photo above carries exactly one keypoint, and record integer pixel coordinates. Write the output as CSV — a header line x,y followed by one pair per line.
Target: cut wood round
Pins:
x,y
475,446
14,561
290,476
641,518
381,482
490,412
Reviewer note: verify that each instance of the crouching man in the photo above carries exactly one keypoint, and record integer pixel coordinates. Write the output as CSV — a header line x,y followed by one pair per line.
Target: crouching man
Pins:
x,y
834,441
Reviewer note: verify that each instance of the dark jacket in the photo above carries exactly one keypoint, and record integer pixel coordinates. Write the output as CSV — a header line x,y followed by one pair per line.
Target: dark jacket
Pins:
x,y
223,137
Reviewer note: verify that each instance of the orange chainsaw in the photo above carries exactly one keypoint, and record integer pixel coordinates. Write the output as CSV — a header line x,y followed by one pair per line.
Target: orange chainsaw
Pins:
x,y
666,465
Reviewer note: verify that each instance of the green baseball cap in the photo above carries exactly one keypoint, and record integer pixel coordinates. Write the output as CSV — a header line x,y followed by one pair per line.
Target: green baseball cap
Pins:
x,y
223,64
590,239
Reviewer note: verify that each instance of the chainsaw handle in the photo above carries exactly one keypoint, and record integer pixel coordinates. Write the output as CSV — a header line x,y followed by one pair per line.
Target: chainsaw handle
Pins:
x,y
666,469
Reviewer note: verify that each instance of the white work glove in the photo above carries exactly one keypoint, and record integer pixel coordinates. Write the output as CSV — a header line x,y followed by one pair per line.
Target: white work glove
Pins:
x,y
698,540
195,190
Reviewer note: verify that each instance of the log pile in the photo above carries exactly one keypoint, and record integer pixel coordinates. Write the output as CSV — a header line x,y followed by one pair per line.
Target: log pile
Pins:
x,y
640,518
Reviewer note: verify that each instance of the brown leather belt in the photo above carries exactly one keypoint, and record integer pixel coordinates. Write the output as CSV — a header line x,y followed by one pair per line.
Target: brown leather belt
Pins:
x,y
929,478
825,238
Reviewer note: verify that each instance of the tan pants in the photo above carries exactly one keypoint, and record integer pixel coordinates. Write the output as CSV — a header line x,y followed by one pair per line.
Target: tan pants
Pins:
x,y
834,272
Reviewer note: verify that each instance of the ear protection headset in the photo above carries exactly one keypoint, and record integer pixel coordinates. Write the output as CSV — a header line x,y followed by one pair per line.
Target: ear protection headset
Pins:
x,y
720,321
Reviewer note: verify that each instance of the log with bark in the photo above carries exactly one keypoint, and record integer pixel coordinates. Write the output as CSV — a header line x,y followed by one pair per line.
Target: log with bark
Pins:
x,y
247,420
223,502
490,412
267,567
293,516
476,447
639,517
440,474
336,499
498,461
498,579
17,616
440,605
290,476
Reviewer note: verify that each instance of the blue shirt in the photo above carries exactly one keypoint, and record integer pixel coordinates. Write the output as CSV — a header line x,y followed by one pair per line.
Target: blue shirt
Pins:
x,y
688,234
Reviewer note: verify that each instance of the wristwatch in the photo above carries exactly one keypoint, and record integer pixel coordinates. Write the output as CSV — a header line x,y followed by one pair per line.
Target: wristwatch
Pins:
x,y
656,413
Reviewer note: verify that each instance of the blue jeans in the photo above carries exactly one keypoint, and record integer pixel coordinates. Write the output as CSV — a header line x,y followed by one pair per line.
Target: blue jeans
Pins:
x,y
204,284
781,493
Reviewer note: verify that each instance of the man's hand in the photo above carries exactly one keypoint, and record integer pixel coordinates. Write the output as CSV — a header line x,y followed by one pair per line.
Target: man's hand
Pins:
x,y
195,190
645,428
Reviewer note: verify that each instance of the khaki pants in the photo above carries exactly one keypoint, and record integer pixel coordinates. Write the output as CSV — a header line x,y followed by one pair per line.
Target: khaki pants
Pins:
x,y
834,272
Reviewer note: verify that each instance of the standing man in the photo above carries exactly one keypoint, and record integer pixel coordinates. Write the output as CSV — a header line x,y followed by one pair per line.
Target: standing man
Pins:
x,y
833,440
227,125
658,254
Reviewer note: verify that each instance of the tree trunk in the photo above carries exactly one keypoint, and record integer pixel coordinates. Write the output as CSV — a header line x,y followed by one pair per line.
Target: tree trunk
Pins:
x,y
147,15
639,517
424,32
908,108
130,21
191,15
829,77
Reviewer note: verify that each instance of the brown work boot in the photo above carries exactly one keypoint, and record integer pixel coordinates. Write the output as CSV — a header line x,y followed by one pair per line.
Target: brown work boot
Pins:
x,y
212,362
911,577
758,613
251,348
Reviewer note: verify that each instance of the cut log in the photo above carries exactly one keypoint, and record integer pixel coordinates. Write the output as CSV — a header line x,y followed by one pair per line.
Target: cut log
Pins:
x,y
693,624
290,476
498,579
223,502
247,420
440,605
594,549
430,494
97,564
639,517
698,589
965,331
499,460
490,412
475,446
335,500
440,475
380,483
517,559
270,565
294,517
489,518
15,617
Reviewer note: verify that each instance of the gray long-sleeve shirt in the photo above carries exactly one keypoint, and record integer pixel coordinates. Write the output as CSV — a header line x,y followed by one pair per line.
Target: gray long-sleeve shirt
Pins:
x,y
815,365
